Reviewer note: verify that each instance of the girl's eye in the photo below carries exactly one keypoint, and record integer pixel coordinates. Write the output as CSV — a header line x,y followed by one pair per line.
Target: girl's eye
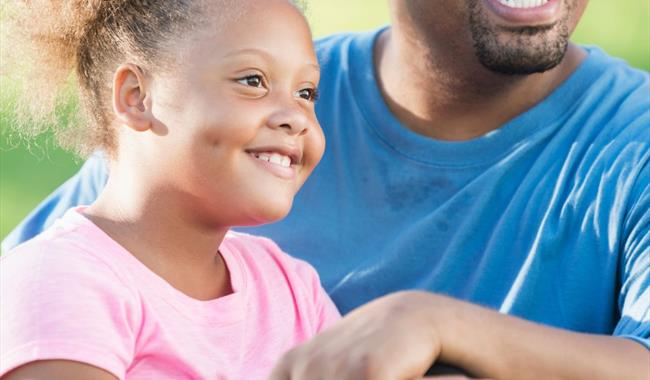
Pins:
x,y
310,94
254,80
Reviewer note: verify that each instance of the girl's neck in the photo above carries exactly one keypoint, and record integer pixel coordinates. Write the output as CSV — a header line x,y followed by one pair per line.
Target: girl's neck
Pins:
x,y
156,227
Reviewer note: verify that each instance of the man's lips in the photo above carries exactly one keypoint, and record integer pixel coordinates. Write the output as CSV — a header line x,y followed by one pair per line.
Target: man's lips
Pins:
x,y
526,12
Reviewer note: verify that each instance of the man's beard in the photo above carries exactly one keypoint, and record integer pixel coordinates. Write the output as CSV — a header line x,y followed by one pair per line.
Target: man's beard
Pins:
x,y
527,50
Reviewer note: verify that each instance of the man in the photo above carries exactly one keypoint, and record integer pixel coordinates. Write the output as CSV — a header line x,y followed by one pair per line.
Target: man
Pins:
x,y
472,152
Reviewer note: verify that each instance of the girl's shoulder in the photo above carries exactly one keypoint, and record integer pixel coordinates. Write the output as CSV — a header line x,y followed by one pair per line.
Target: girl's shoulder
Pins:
x,y
259,266
62,298
258,251
71,253
259,260
265,264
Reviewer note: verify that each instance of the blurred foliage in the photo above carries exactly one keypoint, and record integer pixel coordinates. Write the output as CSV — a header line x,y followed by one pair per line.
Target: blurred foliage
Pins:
x,y
29,171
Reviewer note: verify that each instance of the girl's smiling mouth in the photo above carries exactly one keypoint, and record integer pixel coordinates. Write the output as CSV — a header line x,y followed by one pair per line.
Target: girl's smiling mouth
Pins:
x,y
281,161
274,158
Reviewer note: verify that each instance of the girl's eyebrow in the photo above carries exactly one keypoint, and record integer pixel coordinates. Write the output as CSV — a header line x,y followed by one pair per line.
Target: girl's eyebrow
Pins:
x,y
249,51
265,55
314,66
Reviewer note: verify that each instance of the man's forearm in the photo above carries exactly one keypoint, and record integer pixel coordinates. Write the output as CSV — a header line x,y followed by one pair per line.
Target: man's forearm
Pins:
x,y
494,345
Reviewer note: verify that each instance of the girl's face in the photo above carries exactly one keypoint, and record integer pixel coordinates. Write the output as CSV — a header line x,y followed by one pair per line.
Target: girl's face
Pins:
x,y
235,135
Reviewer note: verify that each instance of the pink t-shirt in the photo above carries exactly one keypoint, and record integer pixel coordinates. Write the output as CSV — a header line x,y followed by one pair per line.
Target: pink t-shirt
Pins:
x,y
74,293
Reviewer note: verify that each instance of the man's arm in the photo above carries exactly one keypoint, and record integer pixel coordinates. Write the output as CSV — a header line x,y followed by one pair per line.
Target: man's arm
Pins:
x,y
398,336
82,189
499,346
491,344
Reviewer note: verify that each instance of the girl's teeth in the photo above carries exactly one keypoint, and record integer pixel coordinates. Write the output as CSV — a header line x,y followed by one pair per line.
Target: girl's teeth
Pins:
x,y
274,158
523,3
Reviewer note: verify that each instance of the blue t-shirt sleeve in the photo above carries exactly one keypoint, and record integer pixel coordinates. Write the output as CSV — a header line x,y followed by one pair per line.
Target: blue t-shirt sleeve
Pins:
x,y
634,298
82,189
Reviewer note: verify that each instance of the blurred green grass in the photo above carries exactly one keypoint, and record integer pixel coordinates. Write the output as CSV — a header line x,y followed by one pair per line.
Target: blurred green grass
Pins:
x,y
29,171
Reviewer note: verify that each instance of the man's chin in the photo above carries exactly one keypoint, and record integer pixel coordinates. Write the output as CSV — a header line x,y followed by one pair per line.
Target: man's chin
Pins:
x,y
523,51
516,49
519,63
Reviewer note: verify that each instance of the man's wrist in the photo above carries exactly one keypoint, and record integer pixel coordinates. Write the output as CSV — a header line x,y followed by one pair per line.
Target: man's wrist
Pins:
x,y
434,315
460,330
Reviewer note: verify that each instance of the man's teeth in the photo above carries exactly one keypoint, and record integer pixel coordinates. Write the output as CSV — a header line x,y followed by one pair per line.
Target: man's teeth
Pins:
x,y
523,3
274,158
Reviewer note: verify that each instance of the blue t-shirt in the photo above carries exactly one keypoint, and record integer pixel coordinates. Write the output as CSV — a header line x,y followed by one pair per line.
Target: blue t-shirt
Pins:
x,y
546,218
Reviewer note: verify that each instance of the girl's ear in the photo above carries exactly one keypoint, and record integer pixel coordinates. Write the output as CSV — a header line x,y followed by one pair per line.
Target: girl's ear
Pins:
x,y
131,101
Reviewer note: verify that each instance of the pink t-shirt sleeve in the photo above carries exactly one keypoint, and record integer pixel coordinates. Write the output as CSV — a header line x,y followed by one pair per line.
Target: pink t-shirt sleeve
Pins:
x,y
326,312
268,264
60,302
313,299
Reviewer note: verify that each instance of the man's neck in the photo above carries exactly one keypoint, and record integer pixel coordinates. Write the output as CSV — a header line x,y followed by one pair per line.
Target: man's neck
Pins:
x,y
436,95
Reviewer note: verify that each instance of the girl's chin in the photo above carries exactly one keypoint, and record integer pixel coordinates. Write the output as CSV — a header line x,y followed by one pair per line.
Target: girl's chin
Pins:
x,y
268,215
275,217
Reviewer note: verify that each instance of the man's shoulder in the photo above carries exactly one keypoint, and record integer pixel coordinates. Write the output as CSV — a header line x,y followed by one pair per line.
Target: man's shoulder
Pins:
x,y
616,101
615,64
617,79
335,41
335,46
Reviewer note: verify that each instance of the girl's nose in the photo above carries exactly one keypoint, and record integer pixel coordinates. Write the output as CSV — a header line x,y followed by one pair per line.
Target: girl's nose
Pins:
x,y
290,118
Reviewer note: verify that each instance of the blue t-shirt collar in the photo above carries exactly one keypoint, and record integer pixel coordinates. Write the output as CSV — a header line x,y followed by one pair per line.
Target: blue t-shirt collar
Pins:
x,y
542,118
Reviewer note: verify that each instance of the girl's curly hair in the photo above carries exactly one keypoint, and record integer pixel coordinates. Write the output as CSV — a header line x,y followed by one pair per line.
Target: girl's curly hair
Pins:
x,y
58,58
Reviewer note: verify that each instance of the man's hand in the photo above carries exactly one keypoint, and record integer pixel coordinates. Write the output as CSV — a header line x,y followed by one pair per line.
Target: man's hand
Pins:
x,y
390,338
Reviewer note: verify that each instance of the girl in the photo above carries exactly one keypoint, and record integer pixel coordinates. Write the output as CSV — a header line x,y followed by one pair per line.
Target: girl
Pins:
x,y
205,110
